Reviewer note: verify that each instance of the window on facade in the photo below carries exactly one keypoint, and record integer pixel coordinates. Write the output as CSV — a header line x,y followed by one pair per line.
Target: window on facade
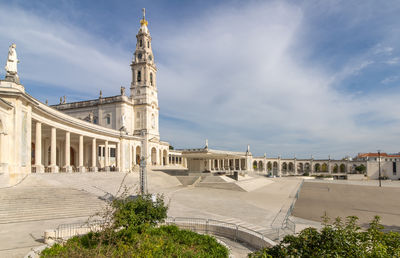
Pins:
x,y
104,152
108,119
112,152
140,43
148,44
99,152
139,76
394,168
151,79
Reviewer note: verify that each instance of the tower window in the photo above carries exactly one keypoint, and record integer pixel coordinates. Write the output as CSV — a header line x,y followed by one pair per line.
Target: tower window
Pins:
x,y
139,76
140,43
151,79
148,44
108,119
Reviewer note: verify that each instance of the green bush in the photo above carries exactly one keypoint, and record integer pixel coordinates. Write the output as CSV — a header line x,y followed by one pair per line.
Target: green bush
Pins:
x,y
164,241
337,240
134,233
133,212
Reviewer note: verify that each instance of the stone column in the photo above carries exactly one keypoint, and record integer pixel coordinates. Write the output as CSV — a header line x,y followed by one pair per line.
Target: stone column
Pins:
x,y
118,157
106,157
94,156
240,163
81,167
67,167
53,149
38,149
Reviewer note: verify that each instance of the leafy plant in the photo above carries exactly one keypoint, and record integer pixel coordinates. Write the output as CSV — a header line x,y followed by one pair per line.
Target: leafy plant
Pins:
x,y
339,239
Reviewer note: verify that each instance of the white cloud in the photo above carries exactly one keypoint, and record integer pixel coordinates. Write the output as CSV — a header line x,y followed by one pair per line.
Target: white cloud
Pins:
x,y
59,54
390,79
393,61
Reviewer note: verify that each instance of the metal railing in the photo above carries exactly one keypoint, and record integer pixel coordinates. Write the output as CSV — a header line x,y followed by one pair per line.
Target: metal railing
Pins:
x,y
200,225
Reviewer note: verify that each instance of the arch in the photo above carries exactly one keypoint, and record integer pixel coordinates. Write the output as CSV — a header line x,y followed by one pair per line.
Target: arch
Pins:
x,y
140,43
151,79
342,168
300,167
269,165
138,154
307,167
284,167
291,167
255,164
317,167
335,168
260,165
165,157
324,167
153,156
139,76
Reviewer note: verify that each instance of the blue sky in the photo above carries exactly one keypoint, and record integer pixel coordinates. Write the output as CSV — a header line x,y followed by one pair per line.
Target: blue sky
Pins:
x,y
286,77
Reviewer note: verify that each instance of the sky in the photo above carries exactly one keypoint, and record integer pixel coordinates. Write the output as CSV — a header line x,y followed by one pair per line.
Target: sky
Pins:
x,y
286,77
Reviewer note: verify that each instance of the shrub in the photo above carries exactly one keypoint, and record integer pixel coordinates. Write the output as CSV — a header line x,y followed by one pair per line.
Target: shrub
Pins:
x,y
133,232
337,240
133,212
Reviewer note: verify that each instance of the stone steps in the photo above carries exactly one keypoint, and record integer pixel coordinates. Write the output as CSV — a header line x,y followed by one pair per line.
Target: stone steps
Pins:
x,y
45,203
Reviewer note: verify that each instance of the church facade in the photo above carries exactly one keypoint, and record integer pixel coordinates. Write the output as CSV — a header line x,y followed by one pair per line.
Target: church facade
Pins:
x,y
116,133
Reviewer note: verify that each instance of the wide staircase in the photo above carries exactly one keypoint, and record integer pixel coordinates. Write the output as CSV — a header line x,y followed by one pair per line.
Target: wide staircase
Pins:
x,y
21,204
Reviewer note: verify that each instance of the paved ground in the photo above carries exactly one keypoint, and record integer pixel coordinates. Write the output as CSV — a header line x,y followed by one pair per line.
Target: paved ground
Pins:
x,y
345,198
54,199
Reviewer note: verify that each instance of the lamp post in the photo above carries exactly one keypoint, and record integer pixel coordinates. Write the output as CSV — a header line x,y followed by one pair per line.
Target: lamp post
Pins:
x,y
143,164
379,157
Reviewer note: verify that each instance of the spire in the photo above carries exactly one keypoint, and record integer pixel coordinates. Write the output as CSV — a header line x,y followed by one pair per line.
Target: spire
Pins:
x,y
143,21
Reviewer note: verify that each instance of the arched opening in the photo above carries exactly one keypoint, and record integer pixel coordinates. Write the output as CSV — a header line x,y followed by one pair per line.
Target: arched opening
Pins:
x,y
260,166
139,76
269,166
151,79
165,156
307,168
153,156
255,165
335,168
342,168
291,167
300,167
324,168
138,155
317,167
140,43
284,167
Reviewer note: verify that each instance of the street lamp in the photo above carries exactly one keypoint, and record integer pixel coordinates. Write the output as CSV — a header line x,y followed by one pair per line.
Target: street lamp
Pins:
x,y
379,157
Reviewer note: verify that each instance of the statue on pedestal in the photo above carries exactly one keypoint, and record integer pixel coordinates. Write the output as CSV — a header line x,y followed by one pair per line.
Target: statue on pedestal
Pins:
x,y
11,65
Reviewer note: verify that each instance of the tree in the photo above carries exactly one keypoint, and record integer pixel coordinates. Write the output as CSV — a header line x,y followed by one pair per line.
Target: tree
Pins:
x,y
339,239
361,169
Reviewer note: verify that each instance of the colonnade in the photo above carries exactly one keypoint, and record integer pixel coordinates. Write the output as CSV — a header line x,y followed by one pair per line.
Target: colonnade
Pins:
x,y
60,154
226,164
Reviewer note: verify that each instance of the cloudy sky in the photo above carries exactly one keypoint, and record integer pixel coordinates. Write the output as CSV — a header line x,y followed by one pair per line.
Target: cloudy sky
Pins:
x,y
286,77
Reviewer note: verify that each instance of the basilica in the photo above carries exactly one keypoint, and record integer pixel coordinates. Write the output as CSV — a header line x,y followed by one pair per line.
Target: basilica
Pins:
x,y
117,133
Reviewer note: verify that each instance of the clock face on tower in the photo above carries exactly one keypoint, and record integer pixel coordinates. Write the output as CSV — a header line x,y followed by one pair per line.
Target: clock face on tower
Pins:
x,y
140,56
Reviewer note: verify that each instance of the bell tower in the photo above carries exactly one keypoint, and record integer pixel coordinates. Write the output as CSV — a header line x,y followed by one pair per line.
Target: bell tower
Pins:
x,y
144,86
